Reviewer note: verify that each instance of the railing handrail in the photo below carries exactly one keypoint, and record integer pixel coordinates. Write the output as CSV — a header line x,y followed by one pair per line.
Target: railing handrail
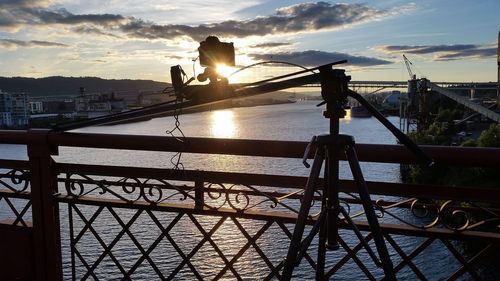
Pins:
x,y
473,193
381,153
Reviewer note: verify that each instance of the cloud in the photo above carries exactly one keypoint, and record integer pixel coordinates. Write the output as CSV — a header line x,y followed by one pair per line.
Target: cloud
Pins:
x,y
474,53
444,52
426,49
292,19
299,18
315,58
272,45
175,57
26,3
62,16
93,30
11,43
15,14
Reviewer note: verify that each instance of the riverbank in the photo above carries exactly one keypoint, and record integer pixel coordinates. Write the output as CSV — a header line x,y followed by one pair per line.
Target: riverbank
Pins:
x,y
444,130
248,102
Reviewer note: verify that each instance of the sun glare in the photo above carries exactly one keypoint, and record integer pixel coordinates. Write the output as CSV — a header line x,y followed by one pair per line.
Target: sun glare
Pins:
x,y
222,124
225,70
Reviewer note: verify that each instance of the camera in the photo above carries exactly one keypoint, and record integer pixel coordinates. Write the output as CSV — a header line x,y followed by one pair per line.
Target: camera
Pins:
x,y
213,52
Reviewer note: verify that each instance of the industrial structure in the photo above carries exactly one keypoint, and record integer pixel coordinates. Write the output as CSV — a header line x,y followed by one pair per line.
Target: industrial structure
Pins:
x,y
414,110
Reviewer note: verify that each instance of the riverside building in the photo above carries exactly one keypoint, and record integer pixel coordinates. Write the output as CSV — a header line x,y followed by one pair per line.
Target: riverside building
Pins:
x,y
14,109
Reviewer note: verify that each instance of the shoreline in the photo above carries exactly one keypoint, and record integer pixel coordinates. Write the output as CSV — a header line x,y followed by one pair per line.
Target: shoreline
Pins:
x,y
48,124
217,106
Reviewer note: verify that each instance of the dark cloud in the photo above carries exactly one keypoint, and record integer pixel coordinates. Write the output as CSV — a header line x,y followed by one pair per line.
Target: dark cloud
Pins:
x,y
475,53
47,44
444,52
62,16
292,19
142,29
298,18
18,13
174,57
11,43
272,45
93,30
25,3
426,49
315,58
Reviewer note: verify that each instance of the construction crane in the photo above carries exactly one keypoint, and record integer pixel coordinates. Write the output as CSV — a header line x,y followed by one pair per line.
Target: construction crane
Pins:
x,y
408,67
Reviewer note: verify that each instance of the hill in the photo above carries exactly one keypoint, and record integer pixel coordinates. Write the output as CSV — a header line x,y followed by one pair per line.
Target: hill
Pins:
x,y
68,86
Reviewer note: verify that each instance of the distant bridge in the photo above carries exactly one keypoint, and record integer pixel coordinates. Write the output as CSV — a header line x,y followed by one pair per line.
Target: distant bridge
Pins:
x,y
465,101
443,88
404,85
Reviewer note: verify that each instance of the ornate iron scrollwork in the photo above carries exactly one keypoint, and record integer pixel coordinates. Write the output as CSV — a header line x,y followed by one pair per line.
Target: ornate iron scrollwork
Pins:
x,y
454,215
154,191
240,200
16,180
428,213
126,189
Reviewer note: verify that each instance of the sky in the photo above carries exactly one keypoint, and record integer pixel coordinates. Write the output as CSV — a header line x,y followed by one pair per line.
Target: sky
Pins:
x,y
446,40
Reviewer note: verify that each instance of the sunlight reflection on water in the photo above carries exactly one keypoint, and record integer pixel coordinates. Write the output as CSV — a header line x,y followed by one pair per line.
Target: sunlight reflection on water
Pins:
x,y
223,124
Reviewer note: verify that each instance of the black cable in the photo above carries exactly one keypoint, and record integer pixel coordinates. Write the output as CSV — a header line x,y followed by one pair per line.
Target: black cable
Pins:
x,y
268,62
404,139
296,73
117,117
176,158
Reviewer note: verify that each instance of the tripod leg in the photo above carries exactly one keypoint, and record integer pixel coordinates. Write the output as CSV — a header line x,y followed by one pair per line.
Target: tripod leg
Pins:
x,y
352,158
298,231
360,237
322,239
332,198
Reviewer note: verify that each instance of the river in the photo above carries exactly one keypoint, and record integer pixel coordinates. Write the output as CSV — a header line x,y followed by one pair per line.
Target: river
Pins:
x,y
298,122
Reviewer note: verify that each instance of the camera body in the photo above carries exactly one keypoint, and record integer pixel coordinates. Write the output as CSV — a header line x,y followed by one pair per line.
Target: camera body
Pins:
x,y
213,52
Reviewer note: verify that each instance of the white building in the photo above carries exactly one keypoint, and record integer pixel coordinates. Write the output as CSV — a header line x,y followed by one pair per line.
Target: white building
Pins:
x,y
14,109
95,105
36,107
5,108
5,119
392,101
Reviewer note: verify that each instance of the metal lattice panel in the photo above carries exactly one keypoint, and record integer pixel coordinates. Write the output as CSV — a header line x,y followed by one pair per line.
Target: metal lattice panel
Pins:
x,y
15,203
133,243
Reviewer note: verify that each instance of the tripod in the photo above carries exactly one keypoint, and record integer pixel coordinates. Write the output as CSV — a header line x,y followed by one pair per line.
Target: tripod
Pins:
x,y
334,92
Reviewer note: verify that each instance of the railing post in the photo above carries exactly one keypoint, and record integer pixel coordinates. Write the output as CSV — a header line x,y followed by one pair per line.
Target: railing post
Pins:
x,y
46,227
199,195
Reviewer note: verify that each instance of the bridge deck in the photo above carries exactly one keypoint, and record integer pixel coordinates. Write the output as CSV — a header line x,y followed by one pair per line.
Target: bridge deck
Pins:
x,y
466,102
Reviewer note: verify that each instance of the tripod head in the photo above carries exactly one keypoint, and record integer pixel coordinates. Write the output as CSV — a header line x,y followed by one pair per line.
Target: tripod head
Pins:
x,y
334,91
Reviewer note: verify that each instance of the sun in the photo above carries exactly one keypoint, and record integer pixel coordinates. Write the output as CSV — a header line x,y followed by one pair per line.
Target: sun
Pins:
x,y
225,70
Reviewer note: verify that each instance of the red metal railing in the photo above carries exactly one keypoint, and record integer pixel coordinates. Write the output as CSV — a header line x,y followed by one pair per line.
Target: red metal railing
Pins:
x,y
36,189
